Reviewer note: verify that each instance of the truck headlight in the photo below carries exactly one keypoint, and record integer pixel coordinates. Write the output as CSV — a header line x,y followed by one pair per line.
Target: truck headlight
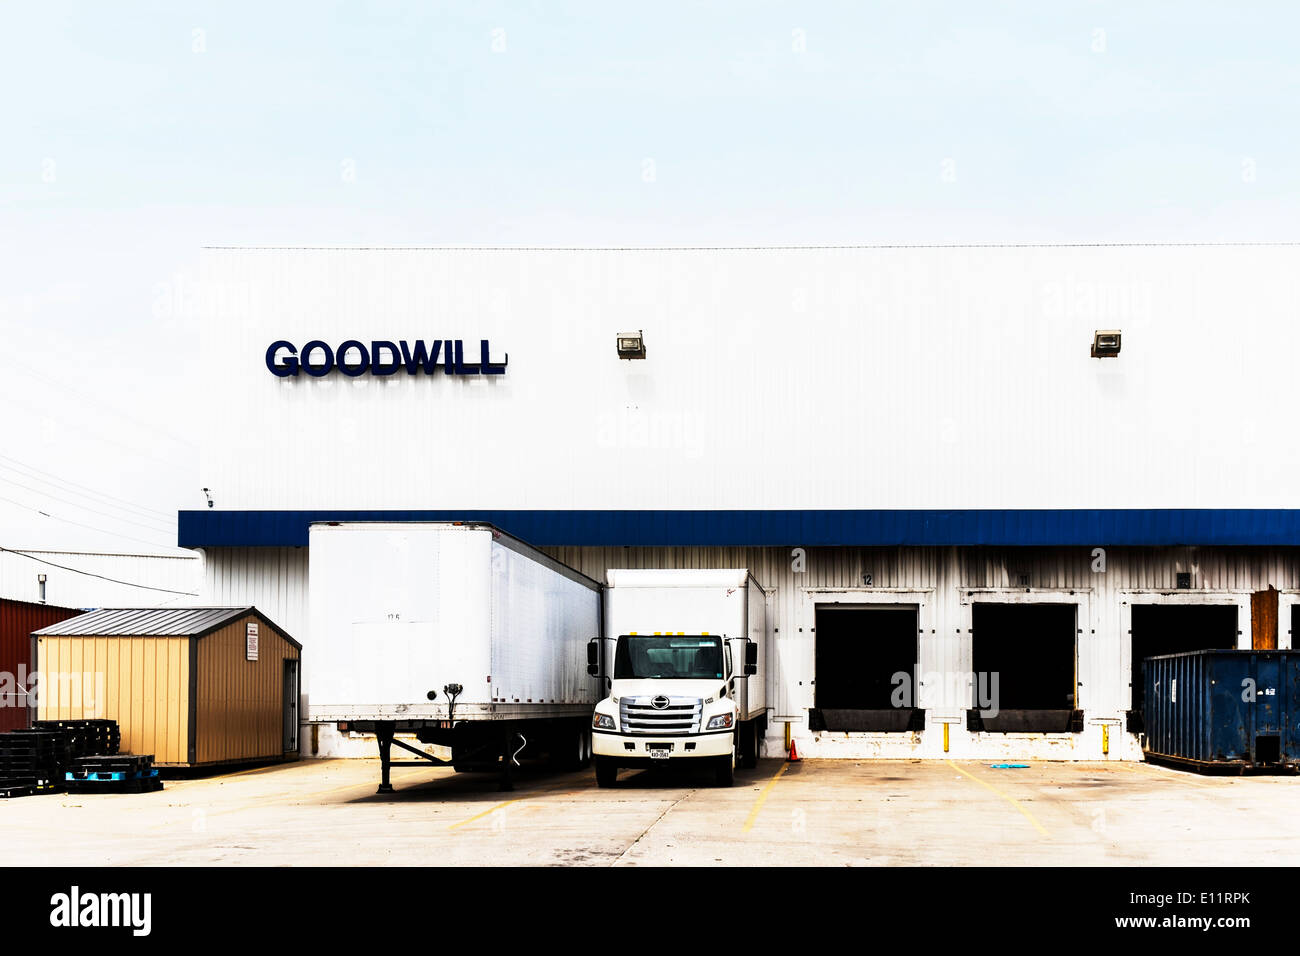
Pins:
x,y
602,722
720,722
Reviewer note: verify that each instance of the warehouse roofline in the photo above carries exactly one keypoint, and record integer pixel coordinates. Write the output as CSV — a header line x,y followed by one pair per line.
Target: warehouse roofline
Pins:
x,y
777,248
1083,527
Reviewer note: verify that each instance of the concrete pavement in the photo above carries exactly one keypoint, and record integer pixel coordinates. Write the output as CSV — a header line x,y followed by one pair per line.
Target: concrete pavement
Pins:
x,y
820,812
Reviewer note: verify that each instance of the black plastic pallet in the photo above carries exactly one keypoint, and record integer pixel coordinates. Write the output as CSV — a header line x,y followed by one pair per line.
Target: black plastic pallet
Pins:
x,y
23,786
145,785
87,775
85,737
123,763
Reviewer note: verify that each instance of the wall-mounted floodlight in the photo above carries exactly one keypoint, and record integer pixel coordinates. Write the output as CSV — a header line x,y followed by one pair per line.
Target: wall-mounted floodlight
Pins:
x,y
631,345
207,493
1105,343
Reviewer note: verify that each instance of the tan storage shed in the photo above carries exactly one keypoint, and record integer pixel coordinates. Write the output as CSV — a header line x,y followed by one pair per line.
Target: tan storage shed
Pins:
x,y
192,686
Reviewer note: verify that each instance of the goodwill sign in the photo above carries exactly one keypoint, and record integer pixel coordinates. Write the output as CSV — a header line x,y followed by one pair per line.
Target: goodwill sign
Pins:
x,y
380,357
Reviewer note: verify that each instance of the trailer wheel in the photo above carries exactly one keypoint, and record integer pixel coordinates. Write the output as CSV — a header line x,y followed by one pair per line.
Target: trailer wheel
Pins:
x,y
606,772
584,736
726,772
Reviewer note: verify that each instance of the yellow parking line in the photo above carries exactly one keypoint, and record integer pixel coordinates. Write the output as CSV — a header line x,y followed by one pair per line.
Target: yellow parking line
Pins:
x,y
480,816
762,798
1011,800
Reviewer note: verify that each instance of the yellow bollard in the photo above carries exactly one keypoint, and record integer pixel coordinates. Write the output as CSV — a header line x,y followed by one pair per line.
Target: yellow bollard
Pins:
x,y
945,736
1105,739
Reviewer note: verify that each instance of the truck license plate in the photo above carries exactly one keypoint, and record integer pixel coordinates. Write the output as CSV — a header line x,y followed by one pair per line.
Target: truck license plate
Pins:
x,y
660,753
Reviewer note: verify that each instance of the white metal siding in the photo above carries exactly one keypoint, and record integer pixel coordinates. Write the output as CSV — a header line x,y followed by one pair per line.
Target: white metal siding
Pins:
x,y
775,378
274,580
167,580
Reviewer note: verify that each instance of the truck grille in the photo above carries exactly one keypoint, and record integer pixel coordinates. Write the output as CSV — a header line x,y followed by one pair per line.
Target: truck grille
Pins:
x,y
675,715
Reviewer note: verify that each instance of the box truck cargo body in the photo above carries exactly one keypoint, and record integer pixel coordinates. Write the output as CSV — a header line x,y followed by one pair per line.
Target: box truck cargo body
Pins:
x,y
456,631
684,665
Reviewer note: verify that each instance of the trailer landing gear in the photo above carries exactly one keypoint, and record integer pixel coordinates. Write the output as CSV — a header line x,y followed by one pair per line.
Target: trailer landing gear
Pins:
x,y
384,733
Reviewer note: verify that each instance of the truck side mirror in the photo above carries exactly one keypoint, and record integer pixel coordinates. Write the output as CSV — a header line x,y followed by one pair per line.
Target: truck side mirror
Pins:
x,y
593,657
751,659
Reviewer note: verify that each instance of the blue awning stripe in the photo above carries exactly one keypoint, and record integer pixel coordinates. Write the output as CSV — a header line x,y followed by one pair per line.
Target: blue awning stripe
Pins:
x,y
792,528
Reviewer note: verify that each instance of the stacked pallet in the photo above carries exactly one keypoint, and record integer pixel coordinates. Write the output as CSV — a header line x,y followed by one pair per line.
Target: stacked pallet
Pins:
x,y
87,738
32,761
120,773
46,758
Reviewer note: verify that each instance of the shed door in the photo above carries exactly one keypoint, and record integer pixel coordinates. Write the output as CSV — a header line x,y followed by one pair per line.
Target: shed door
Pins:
x,y
290,706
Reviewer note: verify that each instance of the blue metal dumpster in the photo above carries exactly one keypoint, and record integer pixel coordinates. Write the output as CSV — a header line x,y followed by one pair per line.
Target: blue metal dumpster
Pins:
x,y
1223,709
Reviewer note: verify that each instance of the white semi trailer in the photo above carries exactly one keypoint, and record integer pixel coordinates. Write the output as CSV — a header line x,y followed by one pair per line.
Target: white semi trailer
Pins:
x,y
684,657
457,632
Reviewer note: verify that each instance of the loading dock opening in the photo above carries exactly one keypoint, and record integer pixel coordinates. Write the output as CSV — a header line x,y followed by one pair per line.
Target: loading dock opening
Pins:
x,y
1173,629
1023,658
861,651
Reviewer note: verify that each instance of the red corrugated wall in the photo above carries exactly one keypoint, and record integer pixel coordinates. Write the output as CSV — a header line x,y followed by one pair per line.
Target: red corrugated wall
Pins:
x,y
17,621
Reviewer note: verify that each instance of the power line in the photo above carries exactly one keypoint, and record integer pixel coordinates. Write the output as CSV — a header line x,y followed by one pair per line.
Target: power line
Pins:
x,y
94,435
63,385
91,574
46,494
31,471
88,527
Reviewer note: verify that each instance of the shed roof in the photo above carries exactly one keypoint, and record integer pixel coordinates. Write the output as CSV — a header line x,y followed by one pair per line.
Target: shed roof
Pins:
x,y
154,622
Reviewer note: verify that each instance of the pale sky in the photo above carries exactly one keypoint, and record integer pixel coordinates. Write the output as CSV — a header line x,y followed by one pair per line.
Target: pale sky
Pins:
x,y
135,133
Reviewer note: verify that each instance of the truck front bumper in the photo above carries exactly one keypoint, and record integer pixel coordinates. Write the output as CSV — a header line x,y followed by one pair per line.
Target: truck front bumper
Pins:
x,y
637,747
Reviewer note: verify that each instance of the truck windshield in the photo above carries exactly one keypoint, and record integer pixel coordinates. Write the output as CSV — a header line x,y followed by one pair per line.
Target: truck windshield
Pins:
x,y
690,658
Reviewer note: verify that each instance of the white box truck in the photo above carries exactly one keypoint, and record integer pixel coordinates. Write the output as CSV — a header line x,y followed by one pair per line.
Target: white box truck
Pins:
x,y
683,655
457,632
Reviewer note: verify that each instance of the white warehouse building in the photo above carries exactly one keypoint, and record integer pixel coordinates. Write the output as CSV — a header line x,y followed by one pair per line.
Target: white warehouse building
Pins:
x,y
970,529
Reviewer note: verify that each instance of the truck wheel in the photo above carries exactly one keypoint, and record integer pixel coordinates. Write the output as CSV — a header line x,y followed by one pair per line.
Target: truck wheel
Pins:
x,y
569,750
579,747
726,772
606,772
749,750
585,737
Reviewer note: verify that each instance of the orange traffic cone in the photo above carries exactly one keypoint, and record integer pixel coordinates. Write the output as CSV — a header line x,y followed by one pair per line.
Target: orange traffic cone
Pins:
x,y
794,753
